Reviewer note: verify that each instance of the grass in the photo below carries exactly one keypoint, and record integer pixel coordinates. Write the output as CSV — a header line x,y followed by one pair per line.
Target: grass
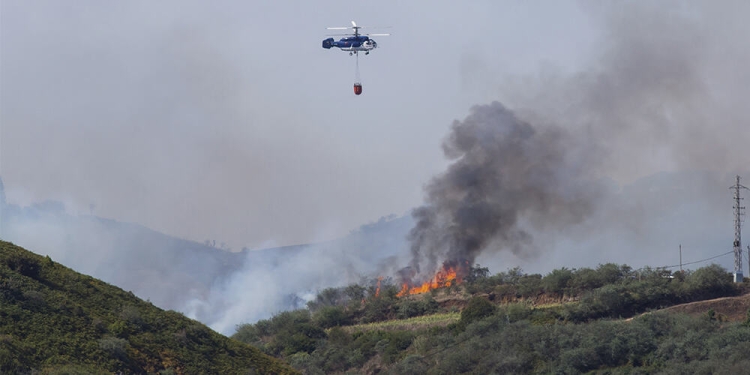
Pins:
x,y
411,324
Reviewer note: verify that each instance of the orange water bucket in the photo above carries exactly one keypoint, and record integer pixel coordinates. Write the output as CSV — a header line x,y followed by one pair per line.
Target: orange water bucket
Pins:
x,y
357,88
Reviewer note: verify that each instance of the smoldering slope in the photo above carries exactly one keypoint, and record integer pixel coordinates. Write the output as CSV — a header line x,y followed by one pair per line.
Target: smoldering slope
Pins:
x,y
541,181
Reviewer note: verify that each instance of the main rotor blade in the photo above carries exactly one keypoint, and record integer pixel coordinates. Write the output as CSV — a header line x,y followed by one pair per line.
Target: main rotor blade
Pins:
x,y
370,27
377,34
338,28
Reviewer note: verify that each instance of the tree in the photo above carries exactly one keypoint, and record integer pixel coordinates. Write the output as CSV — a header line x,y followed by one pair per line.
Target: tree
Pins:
x,y
710,281
530,285
477,273
512,276
557,281
355,292
609,273
586,279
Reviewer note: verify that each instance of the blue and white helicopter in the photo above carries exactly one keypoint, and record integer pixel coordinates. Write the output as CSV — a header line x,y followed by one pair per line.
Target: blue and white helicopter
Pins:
x,y
353,43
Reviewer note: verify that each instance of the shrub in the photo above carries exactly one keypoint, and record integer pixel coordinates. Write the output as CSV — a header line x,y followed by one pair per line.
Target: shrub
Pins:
x,y
337,336
24,265
411,365
247,333
327,297
476,309
331,316
131,315
73,370
287,321
355,292
516,311
408,308
34,299
377,310
429,305
115,346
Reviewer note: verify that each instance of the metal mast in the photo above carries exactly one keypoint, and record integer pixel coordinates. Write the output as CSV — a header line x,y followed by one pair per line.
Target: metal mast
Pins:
x,y
738,232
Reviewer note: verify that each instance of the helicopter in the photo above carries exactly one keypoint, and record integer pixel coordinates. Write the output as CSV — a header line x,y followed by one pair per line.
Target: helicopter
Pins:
x,y
353,43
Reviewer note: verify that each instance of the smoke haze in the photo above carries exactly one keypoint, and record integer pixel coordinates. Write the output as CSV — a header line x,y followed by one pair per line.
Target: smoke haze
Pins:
x,y
651,101
605,132
505,170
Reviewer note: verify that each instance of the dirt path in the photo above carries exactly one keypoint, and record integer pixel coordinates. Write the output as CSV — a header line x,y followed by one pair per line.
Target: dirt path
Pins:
x,y
734,309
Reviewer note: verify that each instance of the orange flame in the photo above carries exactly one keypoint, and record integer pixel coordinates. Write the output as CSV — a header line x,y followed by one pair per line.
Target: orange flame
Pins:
x,y
444,278
377,291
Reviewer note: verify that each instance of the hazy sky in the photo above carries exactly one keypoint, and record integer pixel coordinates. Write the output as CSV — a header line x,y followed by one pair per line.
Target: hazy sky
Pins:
x,y
228,121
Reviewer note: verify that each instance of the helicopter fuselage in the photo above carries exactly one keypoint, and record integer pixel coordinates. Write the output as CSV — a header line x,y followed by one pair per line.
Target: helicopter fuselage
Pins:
x,y
358,43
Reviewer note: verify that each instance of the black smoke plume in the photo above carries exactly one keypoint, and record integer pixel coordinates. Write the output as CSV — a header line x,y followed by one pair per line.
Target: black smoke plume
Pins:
x,y
507,176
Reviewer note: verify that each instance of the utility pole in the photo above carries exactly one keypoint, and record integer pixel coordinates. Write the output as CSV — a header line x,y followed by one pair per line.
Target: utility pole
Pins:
x,y
737,232
680,258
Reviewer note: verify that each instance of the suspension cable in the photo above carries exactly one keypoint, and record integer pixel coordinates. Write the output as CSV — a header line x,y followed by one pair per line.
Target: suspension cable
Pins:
x,y
356,70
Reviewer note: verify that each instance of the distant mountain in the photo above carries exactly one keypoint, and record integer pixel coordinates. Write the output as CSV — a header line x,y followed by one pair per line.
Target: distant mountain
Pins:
x,y
53,318
164,269
640,223
196,278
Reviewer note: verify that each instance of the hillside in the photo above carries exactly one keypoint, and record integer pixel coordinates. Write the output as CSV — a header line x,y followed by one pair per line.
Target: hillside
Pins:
x,y
732,309
55,320
567,322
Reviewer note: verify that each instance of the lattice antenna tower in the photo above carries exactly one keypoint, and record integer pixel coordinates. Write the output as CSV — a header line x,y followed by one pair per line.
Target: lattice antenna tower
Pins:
x,y
738,212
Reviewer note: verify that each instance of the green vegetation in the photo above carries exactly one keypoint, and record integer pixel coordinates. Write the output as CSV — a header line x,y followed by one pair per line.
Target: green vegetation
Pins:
x,y
411,324
56,321
513,322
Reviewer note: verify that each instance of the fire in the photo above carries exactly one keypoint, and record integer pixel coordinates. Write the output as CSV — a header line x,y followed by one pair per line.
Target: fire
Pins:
x,y
377,291
446,277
